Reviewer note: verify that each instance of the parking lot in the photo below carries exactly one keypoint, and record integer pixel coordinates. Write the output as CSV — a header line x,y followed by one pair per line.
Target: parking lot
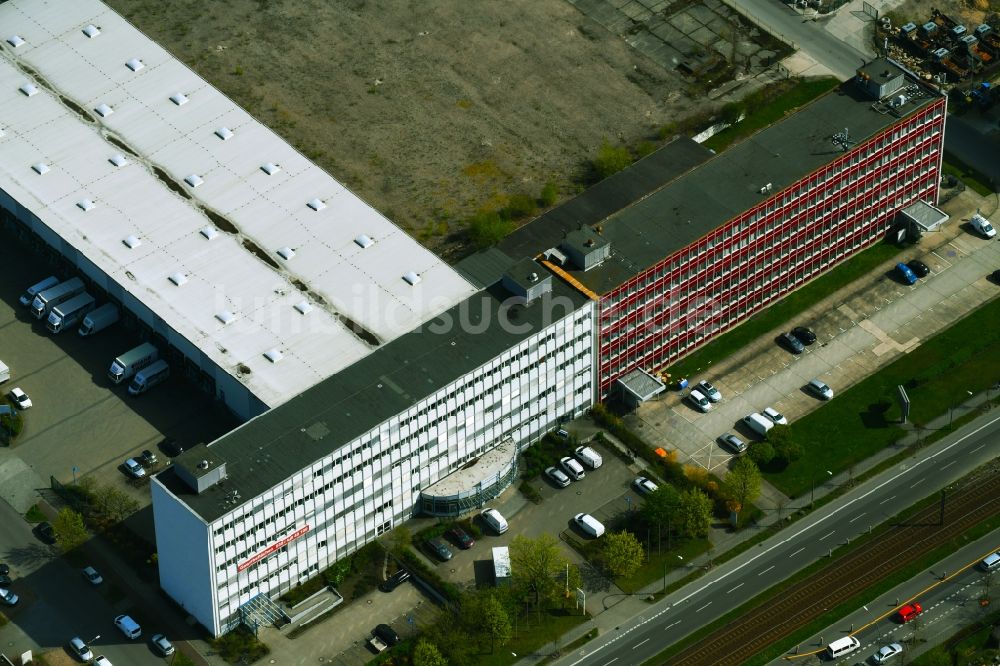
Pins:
x,y
80,420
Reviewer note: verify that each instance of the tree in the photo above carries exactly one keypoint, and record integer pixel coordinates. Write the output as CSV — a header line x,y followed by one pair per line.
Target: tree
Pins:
x,y
494,619
426,653
536,564
658,509
69,529
611,159
113,503
743,482
761,453
623,554
400,538
694,513
786,449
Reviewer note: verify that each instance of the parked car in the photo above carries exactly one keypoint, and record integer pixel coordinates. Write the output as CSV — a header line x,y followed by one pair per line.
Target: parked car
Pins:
x,y
495,520
4,569
644,486
171,447
8,597
589,457
562,432
134,468
557,476
80,649
909,611
163,647
20,398
5,581
990,562
700,402
387,634
461,537
45,533
732,442
775,416
102,661
148,458
995,276
791,343
128,626
819,389
709,391
91,576
982,226
804,334
572,467
919,268
395,580
886,652
438,546
905,274
589,524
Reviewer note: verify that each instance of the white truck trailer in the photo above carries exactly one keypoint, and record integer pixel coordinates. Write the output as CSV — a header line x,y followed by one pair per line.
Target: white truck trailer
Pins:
x,y
132,361
99,319
68,314
49,298
29,295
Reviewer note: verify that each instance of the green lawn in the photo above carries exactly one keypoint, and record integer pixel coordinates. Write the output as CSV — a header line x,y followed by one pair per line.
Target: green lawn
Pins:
x,y
532,634
785,310
860,421
659,564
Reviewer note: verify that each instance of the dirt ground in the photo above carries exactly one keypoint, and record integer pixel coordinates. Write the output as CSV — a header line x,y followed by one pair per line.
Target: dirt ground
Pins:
x,y
427,110
969,12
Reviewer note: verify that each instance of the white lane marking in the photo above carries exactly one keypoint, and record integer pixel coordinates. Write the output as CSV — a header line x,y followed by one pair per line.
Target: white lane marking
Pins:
x,y
704,607
887,499
826,535
860,515
918,482
611,662
671,625
735,588
640,643
977,448
949,464
766,570
797,552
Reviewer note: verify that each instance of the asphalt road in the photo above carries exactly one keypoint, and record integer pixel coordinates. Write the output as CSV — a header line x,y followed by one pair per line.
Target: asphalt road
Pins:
x,y
806,35
56,603
746,576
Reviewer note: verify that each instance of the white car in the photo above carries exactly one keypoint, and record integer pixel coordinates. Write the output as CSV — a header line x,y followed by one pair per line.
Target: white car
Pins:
x,y
776,417
91,575
134,468
709,391
20,398
557,476
80,649
701,403
644,486
886,652
573,469
982,226
102,661
8,597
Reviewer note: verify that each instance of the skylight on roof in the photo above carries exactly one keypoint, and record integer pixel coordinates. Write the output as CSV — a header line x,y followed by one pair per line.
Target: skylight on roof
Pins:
x,y
225,316
316,204
103,110
15,40
194,180
131,242
29,89
286,253
91,31
303,307
177,278
411,277
209,232
180,99
85,205
40,168
118,160
364,241
273,355
134,64
224,133
270,169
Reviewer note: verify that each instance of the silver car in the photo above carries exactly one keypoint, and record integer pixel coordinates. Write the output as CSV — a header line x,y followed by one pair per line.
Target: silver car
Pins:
x,y
709,391
819,389
557,476
886,652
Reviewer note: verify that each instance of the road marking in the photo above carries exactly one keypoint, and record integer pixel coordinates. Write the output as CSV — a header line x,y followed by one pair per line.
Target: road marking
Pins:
x,y
855,517
826,535
640,643
766,570
949,464
918,482
671,625
797,552
735,588
611,662
704,607
887,499
977,448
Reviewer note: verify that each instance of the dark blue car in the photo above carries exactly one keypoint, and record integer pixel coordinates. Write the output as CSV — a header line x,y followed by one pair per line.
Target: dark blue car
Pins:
x,y
906,274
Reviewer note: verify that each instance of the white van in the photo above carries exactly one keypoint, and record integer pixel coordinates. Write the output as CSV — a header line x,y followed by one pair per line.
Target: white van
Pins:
x,y
589,524
758,423
589,457
842,646
573,469
495,520
4,372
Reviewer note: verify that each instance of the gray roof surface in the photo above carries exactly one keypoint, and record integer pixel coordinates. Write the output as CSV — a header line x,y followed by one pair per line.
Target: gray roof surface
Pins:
x,y
270,448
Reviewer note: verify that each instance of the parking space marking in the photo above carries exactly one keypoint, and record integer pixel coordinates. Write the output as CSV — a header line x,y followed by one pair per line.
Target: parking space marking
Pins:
x,y
766,570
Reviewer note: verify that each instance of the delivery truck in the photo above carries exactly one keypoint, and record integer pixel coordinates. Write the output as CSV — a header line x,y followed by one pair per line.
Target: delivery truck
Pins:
x,y
130,362
28,296
68,314
99,319
47,299
145,379
4,372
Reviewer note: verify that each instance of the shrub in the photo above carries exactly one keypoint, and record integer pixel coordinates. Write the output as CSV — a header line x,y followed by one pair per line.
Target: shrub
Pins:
x,y
417,566
549,195
530,492
731,112
238,644
761,453
487,229
520,206
645,148
610,160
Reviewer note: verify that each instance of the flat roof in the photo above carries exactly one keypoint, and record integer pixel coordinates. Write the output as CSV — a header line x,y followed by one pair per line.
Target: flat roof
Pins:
x,y
139,150
272,447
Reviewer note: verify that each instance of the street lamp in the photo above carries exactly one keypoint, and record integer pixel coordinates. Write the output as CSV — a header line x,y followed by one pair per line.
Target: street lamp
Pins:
x,y
812,489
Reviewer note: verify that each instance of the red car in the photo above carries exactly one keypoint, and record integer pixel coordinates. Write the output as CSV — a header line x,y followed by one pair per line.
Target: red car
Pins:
x,y
909,611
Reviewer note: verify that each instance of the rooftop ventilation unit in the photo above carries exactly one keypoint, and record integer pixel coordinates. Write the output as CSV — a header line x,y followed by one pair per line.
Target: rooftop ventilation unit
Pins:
x,y
364,241
225,317
411,277
131,242
316,204
194,180
224,133
40,168
134,64
303,307
103,110
286,253
15,41
91,31
85,205
209,232
180,99
178,278
29,89
118,160
273,355
270,169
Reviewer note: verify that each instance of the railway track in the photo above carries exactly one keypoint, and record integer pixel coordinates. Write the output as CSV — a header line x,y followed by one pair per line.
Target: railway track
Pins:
x,y
844,577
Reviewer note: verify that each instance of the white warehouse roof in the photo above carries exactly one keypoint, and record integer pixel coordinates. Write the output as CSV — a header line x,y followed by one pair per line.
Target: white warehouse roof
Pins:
x,y
193,150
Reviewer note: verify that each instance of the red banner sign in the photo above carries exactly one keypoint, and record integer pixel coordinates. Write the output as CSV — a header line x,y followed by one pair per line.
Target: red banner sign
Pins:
x,y
274,547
